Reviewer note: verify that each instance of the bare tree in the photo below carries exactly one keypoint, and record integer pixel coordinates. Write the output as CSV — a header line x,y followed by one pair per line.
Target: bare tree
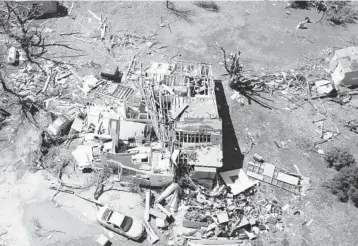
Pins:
x,y
28,103
15,21
184,14
237,79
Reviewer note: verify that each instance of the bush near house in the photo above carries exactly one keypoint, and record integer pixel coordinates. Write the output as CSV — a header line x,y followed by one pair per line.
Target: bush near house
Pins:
x,y
339,158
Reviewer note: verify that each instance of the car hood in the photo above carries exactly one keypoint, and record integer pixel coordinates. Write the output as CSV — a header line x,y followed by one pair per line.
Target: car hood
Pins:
x,y
136,230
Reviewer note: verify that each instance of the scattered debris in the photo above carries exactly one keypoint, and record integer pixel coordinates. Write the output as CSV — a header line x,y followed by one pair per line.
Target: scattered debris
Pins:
x,y
194,224
116,77
344,67
352,125
102,240
237,180
323,87
60,125
158,125
302,24
147,205
238,98
13,55
152,237
268,173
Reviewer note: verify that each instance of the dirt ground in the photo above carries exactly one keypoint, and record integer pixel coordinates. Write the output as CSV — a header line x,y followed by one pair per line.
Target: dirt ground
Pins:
x,y
264,33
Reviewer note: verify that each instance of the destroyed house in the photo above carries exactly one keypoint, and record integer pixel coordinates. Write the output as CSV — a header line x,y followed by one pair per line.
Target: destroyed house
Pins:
x,y
344,67
181,102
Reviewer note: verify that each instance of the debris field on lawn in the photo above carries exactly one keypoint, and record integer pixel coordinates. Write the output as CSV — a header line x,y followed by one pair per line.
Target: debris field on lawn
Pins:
x,y
155,130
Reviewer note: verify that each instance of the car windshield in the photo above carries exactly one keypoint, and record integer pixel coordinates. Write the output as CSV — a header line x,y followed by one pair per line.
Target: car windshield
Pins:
x,y
107,214
126,223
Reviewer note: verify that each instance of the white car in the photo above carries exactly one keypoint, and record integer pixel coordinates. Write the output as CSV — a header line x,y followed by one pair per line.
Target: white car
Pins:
x,y
120,223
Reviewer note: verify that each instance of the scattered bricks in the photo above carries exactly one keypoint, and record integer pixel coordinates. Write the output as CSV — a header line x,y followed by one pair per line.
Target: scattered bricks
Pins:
x,y
258,158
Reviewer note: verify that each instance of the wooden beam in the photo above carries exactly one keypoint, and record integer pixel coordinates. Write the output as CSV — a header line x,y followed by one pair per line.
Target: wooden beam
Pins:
x,y
147,205
157,214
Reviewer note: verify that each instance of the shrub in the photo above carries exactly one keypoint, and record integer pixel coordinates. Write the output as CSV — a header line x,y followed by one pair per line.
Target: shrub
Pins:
x,y
339,158
345,185
354,198
208,5
300,4
341,13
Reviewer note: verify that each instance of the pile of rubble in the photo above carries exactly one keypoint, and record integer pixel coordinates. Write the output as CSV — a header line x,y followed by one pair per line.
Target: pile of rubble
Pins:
x,y
225,215
230,211
158,128
214,215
